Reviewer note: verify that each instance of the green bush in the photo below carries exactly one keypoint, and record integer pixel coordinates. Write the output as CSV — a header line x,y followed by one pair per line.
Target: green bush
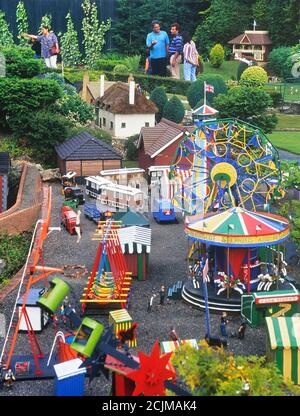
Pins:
x,y
196,91
280,62
120,69
174,110
159,97
133,63
255,74
20,62
216,56
249,104
107,64
103,135
67,88
277,98
76,110
130,147
241,68
11,144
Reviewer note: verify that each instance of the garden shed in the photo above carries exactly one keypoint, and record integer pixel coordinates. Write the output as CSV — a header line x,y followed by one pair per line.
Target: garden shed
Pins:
x,y
86,155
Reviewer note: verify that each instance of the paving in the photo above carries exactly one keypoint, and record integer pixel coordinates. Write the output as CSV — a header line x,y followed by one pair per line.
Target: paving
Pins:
x,y
168,265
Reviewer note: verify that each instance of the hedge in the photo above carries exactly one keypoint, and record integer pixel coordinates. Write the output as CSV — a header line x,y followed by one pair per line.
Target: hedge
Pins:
x,y
107,64
147,82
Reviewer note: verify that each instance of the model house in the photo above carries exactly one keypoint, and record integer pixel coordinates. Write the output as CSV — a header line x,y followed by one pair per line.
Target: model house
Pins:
x,y
252,43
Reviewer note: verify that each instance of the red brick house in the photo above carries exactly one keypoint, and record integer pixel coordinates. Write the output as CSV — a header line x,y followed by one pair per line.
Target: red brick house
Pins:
x,y
157,145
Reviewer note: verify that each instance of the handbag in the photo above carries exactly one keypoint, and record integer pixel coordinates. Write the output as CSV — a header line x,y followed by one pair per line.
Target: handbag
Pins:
x,y
54,50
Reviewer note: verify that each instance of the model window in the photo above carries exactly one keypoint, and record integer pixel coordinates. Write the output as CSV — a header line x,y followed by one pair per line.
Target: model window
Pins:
x,y
93,186
147,124
111,125
104,122
123,125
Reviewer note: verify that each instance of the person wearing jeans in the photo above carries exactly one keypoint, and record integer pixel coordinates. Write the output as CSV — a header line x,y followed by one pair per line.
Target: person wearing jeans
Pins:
x,y
48,40
175,50
191,58
158,43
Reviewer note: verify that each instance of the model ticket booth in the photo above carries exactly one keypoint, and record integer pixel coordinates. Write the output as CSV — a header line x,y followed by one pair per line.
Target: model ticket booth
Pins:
x,y
256,306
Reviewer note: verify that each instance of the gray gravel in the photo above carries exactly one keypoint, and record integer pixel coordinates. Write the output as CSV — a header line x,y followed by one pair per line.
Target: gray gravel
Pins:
x,y
168,264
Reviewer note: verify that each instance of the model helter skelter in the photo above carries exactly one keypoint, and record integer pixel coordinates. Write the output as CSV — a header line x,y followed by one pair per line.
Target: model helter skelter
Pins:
x,y
234,174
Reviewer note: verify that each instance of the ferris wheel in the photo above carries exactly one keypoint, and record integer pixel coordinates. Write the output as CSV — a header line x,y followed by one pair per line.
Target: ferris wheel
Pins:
x,y
231,163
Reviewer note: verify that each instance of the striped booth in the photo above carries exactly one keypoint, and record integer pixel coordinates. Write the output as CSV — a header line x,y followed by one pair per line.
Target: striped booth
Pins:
x,y
121,321
136,246
170,346
283,346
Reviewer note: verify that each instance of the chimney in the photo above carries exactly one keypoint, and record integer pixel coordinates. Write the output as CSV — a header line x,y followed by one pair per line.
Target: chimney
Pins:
x,y
131,92
85,81
101,85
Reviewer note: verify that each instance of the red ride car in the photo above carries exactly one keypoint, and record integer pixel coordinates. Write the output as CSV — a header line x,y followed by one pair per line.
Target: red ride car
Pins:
x,y
68,219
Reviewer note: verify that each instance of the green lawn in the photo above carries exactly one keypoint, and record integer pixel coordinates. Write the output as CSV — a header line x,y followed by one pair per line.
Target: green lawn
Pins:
x,y
227,70
289,141
287,121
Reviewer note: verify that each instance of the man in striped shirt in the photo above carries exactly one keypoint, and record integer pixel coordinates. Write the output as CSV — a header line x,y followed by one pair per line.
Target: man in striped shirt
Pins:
x,y
175,50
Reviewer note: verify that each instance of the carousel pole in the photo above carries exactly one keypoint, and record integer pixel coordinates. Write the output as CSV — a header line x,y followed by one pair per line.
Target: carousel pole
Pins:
x,y
278,263
249,271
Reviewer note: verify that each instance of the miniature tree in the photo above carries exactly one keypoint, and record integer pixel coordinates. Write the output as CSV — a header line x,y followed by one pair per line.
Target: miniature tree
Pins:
x,y
255,75
160,99
196,90
22,21
93,33
216,56
6,37
174,110
69,45
241,68
46,21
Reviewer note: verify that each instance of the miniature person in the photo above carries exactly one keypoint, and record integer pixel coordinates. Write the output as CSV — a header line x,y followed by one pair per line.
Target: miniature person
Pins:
x,y
162,294
242,329
223,324
77,226
173,335
150,304
9,378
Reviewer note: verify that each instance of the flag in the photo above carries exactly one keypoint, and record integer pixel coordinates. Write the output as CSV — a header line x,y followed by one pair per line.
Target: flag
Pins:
x,y
205,272
209,88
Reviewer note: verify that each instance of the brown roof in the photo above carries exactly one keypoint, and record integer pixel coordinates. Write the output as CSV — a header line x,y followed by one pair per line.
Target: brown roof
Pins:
x,y
164,132
116,100
255,38
94,87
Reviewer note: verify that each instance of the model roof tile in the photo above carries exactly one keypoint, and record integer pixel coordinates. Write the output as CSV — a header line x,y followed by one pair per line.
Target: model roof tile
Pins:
x,y
84,146
255,38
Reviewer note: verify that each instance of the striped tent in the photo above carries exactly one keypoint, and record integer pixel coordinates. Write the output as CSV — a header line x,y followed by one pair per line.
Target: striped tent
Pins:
x,y
170,346
238,227
284,346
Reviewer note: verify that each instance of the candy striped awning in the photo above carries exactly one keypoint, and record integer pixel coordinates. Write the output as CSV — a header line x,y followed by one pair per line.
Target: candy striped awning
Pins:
x,y
238,227
284,332
170,346
135,239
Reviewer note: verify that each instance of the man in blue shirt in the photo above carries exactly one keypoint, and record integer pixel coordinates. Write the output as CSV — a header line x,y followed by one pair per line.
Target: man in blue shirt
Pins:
x,y
158,43
175,50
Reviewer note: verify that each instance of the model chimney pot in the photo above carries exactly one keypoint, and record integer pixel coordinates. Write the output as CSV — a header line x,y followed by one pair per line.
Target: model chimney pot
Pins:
x,y
131,92
101,85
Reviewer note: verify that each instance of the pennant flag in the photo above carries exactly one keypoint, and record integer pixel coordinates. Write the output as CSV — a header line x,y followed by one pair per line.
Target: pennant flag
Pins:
x,y
209,88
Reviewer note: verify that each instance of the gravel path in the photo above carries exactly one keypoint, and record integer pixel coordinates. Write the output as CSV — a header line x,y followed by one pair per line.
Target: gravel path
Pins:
x,y
168,264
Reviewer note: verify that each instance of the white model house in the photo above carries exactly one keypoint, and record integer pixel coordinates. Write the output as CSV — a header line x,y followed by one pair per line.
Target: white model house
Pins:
x,y
123,110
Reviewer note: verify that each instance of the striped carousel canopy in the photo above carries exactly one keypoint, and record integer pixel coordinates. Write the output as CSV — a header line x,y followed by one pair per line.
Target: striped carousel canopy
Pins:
x,y
238,227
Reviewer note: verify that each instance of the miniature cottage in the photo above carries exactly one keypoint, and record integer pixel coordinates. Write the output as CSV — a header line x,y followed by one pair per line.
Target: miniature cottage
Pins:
x,y
252,43
123,110
86,155
90,91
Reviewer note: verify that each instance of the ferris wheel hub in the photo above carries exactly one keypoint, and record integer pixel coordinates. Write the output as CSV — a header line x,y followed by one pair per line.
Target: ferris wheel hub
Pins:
x,y
224,173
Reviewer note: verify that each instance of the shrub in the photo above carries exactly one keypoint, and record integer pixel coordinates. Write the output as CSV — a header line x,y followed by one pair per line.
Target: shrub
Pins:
x,y
69,44
256,75
107,64
249,104
216,56
196,91
76,110
103,135
174,110
130,147
241,68
20,62
6,37
11,144
133,63
67,88
280,62
120,69
277,98
159,97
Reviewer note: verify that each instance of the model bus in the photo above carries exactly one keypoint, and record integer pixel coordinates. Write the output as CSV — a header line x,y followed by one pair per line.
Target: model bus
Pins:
x,y
114,195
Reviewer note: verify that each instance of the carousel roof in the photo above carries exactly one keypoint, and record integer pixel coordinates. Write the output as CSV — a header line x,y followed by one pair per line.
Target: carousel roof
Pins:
x,y
238,227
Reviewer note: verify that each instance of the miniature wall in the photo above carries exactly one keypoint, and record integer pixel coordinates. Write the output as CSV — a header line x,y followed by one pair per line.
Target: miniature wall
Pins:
x,y
23,215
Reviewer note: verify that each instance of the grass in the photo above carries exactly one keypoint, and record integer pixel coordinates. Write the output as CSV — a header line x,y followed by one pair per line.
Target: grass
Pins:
x,y
287,121
289,141
228,69
130,164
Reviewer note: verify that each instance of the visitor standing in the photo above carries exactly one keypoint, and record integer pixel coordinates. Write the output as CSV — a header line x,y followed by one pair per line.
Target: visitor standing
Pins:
x,y
242,329
162,294
158,44
175,50
223,324
77,226
49,46
173,335
190,58
150,304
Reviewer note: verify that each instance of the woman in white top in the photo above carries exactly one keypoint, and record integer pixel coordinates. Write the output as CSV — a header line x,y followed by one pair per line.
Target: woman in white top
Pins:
x,y
191,58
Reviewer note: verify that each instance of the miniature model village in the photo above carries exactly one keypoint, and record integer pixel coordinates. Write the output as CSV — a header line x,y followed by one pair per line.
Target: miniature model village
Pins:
x,y
118,279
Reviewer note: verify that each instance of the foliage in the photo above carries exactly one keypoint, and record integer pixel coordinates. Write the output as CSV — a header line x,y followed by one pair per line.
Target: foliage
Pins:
x,y
215,372
291,210
6,37
25,96
133,63
93,33
241,68
249,104
280,62
196,91
130,147
46,21
11,144
283,22
216,56
107,64
13,250
291,174
22,21
174,110
74,109
67,88
121,69
277,98
100,134
20,62
255,74
160,99
69,45
260,13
